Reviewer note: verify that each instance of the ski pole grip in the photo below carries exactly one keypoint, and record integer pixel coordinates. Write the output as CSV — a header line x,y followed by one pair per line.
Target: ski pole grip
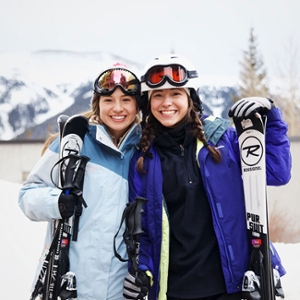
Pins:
x,y
77,182
69,173
138,215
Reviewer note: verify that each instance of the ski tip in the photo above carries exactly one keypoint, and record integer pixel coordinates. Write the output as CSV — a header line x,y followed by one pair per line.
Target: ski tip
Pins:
x,y
76,124
78,117
62,118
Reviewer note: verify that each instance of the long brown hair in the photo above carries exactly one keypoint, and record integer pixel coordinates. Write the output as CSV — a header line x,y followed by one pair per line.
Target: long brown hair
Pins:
x,y
152,126
93,115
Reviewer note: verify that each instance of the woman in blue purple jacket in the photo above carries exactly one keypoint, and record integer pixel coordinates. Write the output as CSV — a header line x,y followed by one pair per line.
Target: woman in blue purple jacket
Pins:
x,y
194,244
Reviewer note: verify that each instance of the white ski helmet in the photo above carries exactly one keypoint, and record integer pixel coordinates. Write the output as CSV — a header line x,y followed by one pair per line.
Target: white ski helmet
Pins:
x,y
169,71
187,79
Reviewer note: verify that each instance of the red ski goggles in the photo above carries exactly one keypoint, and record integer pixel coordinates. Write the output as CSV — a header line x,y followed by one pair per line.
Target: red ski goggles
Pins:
x,y
176,75
108,81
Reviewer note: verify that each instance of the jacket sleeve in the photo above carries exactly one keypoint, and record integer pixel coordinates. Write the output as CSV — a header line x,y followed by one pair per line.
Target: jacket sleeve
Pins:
x,y
38,196
278,155
137,189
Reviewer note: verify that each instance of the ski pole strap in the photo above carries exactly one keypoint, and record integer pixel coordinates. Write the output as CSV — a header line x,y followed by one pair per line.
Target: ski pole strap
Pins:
x,y
126,215
77,213
62,161
133,230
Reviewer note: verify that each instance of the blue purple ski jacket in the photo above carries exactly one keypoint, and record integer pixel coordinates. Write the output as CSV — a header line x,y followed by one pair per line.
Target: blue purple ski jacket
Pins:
x,y
224,188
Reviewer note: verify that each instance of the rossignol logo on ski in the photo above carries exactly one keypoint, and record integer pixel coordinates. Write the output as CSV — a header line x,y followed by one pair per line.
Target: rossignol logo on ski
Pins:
x,y
251,153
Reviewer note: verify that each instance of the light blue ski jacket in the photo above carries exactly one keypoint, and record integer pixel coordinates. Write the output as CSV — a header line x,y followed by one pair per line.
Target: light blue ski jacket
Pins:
x,y
99,274
224,189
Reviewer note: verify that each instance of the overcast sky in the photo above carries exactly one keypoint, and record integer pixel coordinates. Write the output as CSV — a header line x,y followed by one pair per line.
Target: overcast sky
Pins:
x,y
211,33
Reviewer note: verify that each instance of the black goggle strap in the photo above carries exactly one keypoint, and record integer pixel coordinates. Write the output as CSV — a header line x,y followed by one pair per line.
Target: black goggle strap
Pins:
x,y
106,92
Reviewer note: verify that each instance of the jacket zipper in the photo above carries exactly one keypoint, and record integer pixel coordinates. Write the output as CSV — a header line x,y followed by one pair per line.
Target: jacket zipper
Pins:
x,y
215,217
186,165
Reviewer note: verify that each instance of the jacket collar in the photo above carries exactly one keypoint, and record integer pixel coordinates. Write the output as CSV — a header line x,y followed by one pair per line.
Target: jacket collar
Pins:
x,y
214,128
99,133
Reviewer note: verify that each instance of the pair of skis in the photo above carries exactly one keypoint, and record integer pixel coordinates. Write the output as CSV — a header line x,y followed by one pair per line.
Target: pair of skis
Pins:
x,y
55,280
260,282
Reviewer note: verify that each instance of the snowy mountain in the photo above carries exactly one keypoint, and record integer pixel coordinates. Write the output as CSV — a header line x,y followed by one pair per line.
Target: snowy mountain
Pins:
x,y
36,87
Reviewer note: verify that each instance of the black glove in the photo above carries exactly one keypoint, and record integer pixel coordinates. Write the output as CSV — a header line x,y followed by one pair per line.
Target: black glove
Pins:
x,y
246,107
66,205
136,287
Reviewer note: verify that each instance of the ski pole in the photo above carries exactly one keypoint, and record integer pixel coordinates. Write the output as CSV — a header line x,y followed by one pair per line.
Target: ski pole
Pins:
x,y
136,233
132,215
67,278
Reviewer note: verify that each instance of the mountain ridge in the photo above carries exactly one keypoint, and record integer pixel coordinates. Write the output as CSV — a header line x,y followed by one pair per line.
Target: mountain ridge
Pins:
x,y
36,87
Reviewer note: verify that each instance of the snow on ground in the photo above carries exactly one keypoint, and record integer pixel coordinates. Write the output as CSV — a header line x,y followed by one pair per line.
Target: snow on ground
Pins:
x,y
22,242
290,257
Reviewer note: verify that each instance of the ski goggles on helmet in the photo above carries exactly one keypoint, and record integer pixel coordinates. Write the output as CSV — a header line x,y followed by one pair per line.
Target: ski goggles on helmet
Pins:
x,y
175,74
109,80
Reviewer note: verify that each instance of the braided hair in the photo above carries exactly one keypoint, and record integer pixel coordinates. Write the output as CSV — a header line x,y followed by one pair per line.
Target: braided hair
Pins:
x,y
151,125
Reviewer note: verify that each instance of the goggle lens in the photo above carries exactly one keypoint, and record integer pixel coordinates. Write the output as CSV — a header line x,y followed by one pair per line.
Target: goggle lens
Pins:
x,y
175,72
110,79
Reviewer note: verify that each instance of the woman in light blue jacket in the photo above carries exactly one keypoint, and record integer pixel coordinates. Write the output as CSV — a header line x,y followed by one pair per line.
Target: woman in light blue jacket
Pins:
x,y
113,132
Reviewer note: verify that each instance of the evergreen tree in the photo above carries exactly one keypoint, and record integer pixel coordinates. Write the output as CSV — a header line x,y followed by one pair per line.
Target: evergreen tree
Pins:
x,y
288,88
253,75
